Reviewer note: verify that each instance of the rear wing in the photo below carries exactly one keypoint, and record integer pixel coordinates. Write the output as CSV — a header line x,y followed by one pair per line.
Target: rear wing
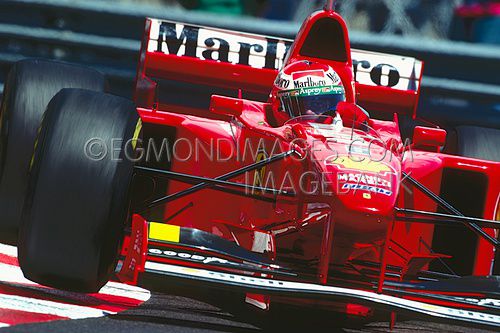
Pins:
x,y
182,65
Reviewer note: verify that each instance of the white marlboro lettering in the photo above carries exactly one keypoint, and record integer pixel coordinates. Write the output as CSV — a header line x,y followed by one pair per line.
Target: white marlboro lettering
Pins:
x,y
308,82
370,68
367,179
378,69
217,44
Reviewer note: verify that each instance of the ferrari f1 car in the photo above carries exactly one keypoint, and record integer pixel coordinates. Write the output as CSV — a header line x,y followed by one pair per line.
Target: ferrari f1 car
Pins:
x,y
198,185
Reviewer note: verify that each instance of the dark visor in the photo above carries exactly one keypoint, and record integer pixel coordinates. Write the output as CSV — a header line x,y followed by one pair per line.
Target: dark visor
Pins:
x,y
320,104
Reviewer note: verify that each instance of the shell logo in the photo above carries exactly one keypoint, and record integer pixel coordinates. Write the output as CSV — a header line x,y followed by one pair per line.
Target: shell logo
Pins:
x,y
367,165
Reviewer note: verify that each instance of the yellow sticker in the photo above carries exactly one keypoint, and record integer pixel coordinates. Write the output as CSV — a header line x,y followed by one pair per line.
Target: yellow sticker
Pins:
x,y
258,179
367,195
346,162
35,145
430,307
164,232
497,215
138,128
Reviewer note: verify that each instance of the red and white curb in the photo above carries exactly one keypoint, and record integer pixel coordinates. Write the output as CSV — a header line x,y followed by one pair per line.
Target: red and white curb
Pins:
x,y
23,301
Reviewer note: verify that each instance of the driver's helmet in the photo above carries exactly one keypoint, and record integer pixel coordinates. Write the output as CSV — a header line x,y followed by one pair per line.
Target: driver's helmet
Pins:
x,y
307,88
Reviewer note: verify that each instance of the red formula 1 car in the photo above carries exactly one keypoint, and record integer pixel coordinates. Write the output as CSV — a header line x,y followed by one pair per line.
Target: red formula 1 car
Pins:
x,y
328,207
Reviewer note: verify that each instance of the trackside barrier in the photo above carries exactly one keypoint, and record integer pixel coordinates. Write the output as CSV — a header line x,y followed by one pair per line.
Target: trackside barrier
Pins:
x,y
458,77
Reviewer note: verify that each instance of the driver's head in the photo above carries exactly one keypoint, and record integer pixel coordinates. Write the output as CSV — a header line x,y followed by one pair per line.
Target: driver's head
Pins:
x,y
304,88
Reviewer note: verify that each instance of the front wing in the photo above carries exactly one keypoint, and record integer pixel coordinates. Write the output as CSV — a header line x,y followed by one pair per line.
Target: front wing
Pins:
x,y
206,278
471,308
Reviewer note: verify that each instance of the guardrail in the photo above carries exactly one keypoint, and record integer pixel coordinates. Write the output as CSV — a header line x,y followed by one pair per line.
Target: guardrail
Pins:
x,y
458,78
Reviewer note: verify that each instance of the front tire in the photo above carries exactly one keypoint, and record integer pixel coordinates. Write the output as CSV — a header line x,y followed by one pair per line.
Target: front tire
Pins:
x,y
77,201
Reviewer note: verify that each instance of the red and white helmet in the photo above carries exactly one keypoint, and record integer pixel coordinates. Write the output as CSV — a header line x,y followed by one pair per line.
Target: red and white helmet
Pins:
x,y
305,87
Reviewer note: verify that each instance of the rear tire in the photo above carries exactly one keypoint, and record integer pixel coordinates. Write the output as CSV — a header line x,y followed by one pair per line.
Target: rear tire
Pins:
x,y
77,205
29,87
478,142
481,143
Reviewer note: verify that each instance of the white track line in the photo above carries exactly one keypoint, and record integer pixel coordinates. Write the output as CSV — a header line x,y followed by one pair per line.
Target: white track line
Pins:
x,y
13,302
13,274
8,250
123,290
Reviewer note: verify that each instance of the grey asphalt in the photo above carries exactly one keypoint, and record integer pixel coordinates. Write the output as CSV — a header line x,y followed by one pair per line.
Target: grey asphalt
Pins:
x,y
170,313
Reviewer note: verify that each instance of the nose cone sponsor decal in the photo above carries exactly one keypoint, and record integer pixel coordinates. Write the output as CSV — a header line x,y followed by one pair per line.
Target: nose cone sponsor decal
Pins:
x,y
359,164
376,183
357,173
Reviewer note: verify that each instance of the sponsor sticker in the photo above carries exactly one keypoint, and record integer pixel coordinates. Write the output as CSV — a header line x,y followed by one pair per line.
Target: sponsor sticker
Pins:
x,y
258,179
380,180
187,256
359,150
366,188
380,183
164,232
217,44
137,131
364,165
370,68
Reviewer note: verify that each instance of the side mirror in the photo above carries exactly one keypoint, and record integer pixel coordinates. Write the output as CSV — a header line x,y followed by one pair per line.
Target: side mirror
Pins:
x,y
429,137
352,112
226,106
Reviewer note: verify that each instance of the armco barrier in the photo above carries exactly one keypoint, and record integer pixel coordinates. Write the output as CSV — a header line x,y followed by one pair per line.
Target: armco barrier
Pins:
x,y
460,83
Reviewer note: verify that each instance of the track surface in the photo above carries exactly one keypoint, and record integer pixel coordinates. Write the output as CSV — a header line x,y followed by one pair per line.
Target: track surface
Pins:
x,y
167,313
23,301
34,308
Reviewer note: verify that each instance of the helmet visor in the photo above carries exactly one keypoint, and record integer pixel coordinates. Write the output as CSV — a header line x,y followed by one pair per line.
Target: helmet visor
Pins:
x,y
298,104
